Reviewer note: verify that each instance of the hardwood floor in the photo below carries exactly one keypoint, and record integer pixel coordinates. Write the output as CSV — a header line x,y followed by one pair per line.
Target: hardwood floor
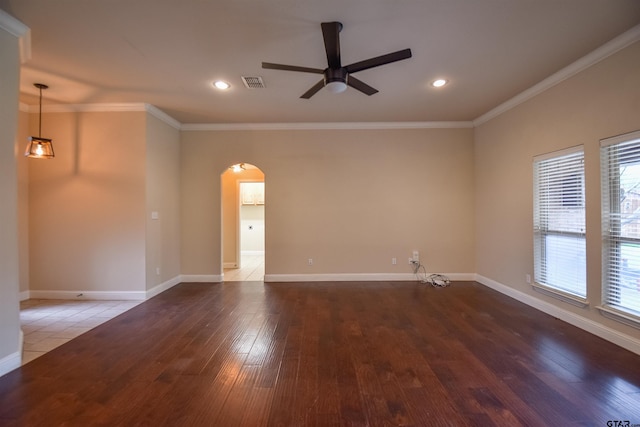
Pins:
x,y
325,354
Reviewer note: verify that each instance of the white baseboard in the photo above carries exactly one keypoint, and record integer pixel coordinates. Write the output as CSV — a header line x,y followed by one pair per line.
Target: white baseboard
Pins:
x,y
10,362
89,295
623,340
162,287
359,277
118,295
201,278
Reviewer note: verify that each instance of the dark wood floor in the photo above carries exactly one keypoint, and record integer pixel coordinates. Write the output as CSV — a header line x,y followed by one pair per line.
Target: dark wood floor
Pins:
x,y
324,354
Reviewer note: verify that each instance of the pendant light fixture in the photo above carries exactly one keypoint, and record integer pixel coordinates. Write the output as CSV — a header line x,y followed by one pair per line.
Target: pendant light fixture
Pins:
x,y
39,147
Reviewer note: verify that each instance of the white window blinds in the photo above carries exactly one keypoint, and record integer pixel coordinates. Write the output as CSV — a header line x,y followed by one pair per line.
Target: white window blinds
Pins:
x,y
559,222
620,168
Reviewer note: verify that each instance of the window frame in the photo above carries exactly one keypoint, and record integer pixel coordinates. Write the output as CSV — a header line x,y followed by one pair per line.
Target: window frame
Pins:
x,y
611,163
542,212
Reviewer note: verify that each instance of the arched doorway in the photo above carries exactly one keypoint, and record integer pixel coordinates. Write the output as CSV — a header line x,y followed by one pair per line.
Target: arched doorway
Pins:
x,y
243,224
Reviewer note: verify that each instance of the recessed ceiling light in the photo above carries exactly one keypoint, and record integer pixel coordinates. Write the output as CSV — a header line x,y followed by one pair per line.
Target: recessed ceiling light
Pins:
x,y
221,85
439,83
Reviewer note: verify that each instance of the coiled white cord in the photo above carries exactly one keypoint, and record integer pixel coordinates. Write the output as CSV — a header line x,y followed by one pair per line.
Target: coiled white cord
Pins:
x,y
436,280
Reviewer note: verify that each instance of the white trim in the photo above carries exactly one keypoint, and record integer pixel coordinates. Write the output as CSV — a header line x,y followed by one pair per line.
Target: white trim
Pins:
x,y
20,343
559,153
89,295
10,362
201,278
90,108
623,340
623,40
162,116
324,126
625,137
21,31
562,296
102,295
358,277
162,287
105,108
12,25
156,112
619,316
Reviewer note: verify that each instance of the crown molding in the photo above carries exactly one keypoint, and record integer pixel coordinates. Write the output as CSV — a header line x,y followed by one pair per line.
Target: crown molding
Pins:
x,y
623,40
102,108
88,108
21,31
324,126
161,115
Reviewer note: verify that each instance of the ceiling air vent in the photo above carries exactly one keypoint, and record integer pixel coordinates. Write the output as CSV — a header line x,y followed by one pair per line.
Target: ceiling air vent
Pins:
x,y
253,82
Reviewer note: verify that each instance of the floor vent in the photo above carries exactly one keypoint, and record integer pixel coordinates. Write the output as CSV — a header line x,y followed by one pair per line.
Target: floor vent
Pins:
x,y
253,82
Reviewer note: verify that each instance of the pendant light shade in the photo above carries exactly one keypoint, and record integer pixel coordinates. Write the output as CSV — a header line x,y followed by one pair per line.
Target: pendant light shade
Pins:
x,y
38,147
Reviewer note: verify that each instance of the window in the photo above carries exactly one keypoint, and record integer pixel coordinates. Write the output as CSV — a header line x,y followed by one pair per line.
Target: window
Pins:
x,y
620,168
559,223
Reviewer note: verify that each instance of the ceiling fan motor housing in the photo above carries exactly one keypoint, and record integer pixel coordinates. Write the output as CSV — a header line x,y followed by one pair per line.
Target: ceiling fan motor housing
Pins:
x,y
335,80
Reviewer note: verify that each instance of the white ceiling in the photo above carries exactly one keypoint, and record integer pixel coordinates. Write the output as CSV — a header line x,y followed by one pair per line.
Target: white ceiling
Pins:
x,y
167,53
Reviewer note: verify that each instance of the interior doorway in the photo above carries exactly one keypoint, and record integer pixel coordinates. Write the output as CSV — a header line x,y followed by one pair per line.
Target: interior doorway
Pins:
x,y
243,223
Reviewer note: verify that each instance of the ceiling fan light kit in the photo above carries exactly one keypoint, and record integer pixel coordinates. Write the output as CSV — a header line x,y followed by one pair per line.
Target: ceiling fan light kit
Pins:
x,y
336,78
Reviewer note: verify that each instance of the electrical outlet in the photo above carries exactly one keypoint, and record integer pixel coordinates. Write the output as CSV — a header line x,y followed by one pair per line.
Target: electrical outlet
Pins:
x,y
528,278
394,261
158,271
416,256
310,261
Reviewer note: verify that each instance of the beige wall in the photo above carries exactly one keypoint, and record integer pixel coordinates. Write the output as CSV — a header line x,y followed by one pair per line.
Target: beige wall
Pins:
x,y
599,102
349,199
230,210
9,265
87,206
163,197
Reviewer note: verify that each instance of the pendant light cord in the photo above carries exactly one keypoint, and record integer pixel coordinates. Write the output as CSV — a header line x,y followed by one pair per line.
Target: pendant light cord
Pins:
x,y
40,86
40,115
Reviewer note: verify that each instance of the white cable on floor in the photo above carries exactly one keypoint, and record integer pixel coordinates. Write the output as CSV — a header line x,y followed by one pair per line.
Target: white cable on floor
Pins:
x,y
436,280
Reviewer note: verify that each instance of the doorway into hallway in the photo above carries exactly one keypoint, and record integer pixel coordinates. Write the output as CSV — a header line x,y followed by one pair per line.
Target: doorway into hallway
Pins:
x,y
243,223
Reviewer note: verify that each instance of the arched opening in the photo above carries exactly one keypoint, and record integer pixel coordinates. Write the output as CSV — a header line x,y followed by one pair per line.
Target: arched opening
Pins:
x,y
243,223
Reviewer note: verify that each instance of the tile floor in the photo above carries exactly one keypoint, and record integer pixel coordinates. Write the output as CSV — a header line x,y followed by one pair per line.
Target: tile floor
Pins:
x,y
47,324
252,268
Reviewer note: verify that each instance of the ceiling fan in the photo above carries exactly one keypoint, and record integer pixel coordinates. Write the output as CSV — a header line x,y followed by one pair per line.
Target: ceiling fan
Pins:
x,y
335,76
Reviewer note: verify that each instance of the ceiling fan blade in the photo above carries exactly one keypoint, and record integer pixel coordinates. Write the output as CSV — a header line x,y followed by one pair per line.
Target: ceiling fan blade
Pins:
x,y
379,60
361,86
331,35
271,66
308,94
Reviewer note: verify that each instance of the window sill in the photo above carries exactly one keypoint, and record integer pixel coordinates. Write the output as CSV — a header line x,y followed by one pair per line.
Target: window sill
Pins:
x,y
562,296
619,316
